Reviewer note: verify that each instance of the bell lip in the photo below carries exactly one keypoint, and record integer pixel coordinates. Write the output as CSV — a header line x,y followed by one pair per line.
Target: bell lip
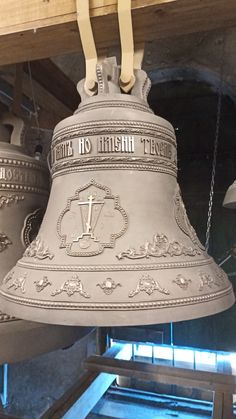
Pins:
x,y
122,317
70,120
41,338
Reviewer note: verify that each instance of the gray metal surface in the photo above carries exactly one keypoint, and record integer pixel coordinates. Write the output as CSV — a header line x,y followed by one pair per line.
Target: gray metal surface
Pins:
x,y
24,190
115,246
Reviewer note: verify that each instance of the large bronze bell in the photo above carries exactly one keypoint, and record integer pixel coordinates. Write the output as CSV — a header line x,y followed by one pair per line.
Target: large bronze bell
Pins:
x,y
24,190
115,246
230,197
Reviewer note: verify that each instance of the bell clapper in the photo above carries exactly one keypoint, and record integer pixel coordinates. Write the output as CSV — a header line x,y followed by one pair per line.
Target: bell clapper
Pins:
x,y
38,152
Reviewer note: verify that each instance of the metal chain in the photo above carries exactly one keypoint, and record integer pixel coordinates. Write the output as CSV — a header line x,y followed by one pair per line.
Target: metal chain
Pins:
x,y
216,143
35,113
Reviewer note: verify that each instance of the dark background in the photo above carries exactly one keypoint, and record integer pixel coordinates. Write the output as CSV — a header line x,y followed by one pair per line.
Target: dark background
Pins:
x,y
191,107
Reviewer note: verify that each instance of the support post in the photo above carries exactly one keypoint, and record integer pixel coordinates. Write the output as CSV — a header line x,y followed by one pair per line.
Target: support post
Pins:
x,y
4,393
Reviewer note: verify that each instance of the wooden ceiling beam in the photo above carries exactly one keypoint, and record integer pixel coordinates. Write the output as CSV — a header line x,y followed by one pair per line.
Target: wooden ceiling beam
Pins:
x,y
44,99
35,29
49,102
51,78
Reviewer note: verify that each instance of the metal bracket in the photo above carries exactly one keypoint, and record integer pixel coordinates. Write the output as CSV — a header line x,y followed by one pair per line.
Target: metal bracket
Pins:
x,y
230,254
17,136
4,392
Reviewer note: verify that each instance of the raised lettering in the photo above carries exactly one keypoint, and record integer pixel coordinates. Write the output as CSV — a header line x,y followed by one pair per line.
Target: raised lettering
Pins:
x,y
85,145
145,141
2,173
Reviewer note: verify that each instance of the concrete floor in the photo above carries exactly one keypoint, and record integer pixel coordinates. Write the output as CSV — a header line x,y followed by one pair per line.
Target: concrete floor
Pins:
x,y
35,384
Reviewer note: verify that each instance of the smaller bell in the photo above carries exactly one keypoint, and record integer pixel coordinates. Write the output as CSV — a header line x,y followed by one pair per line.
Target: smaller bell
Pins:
x,y
230,197
24,190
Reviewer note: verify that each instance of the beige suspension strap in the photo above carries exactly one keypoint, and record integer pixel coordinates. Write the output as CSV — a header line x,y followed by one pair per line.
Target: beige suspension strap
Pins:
x,y
88,44
127,78
130,59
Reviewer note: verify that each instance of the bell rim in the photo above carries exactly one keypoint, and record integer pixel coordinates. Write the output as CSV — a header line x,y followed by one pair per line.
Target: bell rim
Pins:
x,y
124,317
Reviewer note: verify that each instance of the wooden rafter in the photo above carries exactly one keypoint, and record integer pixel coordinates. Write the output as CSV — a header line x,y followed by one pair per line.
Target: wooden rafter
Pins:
x,y
37,29
51,78
54,92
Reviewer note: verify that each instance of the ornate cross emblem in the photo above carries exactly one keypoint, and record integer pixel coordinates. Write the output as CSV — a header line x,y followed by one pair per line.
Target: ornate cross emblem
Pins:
x,y
92,220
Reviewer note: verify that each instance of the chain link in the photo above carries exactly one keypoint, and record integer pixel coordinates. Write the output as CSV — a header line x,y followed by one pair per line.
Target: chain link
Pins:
x,y
35,113
216,143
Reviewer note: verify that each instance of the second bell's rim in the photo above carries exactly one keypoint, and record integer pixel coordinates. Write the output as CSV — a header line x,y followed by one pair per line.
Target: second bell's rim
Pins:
x,y
230,197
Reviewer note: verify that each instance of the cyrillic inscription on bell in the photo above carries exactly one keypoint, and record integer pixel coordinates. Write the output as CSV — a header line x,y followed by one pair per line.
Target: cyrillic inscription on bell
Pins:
x,y
116,246
24,191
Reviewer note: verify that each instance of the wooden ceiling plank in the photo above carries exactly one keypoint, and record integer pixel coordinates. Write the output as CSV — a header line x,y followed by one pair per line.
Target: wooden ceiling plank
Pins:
x,y
44,98
41,29
43,11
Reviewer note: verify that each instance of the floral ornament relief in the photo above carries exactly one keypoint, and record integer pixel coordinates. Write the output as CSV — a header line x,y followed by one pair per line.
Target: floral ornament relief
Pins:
x,y
149,285
182,282
8,277
72,286
38,250
183,221
42,283
108,286
206,280
4,242
19,283
159,247
220,274
6,201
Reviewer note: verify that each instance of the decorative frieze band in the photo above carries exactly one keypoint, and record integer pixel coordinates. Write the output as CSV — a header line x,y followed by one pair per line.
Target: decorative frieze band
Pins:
x,y
21,175
144,305
116,128
114,150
